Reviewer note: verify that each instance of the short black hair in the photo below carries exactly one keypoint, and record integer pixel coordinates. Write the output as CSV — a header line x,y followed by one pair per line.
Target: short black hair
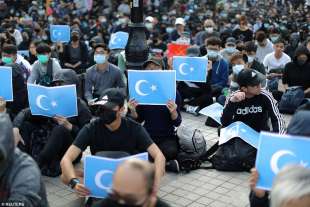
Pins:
x,y
279,40
250,46
43,48
214,41
102,45
10,49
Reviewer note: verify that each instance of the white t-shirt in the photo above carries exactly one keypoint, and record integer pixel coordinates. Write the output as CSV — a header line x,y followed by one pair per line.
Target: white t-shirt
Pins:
x,y
271,62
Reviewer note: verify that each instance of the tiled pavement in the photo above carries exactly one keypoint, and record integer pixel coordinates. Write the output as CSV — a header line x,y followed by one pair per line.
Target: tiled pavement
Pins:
x,y
197,189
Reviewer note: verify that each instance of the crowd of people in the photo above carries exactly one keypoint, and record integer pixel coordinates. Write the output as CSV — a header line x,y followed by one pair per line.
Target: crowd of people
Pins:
x,y
256,50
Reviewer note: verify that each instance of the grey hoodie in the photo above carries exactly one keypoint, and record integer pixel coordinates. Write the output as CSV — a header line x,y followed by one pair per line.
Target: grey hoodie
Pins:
x,y
20,178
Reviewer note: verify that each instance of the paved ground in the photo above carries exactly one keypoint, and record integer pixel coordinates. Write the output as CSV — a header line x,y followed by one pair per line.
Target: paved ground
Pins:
x,y
197,189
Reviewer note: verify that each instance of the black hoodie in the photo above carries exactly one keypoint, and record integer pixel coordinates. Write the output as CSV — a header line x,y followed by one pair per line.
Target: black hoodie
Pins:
x,y
295,74
20,178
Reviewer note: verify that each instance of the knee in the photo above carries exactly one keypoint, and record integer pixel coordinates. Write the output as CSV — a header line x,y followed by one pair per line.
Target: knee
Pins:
x,y
60,130
170,150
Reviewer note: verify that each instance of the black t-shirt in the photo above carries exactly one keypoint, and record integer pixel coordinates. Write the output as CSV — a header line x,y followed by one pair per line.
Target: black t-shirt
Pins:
x,y
245,36
296,75
130,137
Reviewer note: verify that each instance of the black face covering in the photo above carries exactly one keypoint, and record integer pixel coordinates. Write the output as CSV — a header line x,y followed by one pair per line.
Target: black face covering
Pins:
x,y
301,61
112,203
75,38
108,116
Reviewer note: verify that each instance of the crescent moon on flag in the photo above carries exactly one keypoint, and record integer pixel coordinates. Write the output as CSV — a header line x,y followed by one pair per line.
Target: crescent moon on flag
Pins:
x,y
275,159
113,38
138,88
181,68
98,177
39,102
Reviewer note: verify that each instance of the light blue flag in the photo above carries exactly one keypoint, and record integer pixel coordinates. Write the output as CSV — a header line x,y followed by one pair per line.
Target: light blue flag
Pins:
x,y
24,53
6,88
241,130
118,40
60,33
277,151
192,69
98,173
153,87
52,101
213,111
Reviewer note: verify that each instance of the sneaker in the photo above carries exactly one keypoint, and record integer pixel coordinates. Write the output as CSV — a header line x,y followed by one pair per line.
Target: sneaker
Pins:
x,y
192,110
173,166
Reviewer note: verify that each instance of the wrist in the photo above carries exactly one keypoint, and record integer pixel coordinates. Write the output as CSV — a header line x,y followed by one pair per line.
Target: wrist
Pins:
x,y
73,182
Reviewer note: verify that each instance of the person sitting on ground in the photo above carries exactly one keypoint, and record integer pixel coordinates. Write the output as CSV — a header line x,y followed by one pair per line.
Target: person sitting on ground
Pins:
x,y
250,51
230,49
133,183
20,178
160,121
111,133
299,126
297,72
101,76
264,46
195,96
47,139
45,68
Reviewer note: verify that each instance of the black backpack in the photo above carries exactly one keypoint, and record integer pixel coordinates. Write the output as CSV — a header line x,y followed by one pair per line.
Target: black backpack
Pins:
x,y
47,79
291,100
192,147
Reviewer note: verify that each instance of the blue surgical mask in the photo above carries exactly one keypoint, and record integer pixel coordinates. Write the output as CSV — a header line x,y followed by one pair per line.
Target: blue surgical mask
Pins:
x,y
237,69
212,54
99,58
274,38
230,50
251,59
169,30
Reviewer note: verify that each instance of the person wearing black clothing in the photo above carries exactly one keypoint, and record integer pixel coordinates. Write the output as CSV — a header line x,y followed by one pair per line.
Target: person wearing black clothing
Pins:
x,y
180,28
132,186
243,32
75,54
111,132
55,134
297,72
252,105
160,121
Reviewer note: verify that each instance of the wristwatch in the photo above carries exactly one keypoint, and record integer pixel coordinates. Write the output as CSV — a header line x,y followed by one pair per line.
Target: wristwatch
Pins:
x,y
73,182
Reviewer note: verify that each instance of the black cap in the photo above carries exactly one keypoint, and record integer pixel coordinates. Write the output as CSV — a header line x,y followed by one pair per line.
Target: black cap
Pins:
x,y
249,77
66,76
156,60
111,98
193,51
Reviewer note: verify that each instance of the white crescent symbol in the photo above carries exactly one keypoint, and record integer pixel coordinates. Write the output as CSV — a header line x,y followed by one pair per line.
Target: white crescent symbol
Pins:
x,y
275,158
181,69
113,38
98,177
39,104
138,88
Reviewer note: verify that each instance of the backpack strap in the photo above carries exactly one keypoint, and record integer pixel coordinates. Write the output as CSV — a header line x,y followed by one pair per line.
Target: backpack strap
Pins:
x,y
49,68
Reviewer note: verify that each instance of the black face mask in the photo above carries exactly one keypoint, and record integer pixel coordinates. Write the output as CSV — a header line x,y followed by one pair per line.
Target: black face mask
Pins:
x,y
75,38
112,203
301,61
108,116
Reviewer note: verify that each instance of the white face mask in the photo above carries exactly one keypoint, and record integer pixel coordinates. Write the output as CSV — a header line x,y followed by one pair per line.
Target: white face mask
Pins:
x,y
149,26
124,112
237,69
251,59
209,29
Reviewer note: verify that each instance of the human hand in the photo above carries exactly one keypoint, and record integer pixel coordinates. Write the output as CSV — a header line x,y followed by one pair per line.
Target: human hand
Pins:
x,y
253,180
2,104
63,121
132,105
307,90
272,75
171,105
209,65
237,97
81,190
69,65
17,137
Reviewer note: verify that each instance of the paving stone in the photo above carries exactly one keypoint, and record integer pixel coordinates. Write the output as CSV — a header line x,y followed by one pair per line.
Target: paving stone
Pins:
x,y
204,200
196,205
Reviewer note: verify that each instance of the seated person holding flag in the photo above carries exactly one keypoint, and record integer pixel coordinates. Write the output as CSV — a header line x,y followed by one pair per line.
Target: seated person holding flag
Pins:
x,y
160,121
47,139
45,68
299,125
20,178
133,183
111,132
101,76
19,84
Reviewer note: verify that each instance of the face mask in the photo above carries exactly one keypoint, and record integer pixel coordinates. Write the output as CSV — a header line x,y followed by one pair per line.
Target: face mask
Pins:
x,y
44,37
108,116
75,38
250,59
169,30
99,59
123,21
301,61
212,54
274,38
164,18
149,26
237,69
230,50
43,58
209,29
124,112
7,60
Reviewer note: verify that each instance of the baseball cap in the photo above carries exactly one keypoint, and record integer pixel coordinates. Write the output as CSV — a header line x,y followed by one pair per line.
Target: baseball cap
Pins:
x,y
155,60
111,98
249,77
149,19
180,20
193,51
67,76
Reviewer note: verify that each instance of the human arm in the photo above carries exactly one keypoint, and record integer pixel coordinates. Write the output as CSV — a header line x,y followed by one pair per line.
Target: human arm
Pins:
x,y
230,107
258,197
22,116
2,105
175,110
34,75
